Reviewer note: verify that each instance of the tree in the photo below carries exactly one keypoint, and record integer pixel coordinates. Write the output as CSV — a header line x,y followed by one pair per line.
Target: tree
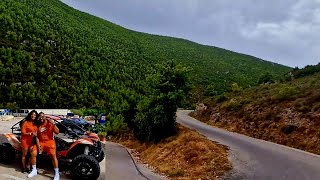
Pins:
x,y
31,67
12,106
165,91
266,78
2,71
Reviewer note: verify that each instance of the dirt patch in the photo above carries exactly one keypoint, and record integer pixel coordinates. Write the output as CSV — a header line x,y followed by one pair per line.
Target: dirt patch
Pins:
x,y
187,155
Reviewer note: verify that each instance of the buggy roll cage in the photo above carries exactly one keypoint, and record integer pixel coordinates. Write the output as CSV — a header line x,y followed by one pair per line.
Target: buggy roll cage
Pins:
x,y
68,130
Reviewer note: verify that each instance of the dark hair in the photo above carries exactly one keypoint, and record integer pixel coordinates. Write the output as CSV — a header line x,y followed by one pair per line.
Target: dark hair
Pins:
x,y
28,118
37,120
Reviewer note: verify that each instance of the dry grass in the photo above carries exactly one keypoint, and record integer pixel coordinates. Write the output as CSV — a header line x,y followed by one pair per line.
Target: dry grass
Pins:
x,y
187,155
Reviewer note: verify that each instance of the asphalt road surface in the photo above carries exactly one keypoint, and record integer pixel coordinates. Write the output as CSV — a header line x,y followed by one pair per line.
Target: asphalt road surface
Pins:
x,y
121,166
257,159
117,165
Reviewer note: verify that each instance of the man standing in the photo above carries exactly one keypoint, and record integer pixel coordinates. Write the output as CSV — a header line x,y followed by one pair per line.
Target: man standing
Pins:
x,y
46,140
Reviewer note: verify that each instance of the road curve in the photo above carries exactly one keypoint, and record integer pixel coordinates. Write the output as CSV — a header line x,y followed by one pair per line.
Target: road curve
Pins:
x,y
257,159
120,165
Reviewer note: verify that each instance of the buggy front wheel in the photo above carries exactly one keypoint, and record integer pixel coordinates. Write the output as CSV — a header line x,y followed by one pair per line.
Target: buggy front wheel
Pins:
x,y
85,167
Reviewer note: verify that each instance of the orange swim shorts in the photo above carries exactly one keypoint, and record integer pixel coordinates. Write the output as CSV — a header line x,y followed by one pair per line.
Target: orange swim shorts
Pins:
x,y
49,147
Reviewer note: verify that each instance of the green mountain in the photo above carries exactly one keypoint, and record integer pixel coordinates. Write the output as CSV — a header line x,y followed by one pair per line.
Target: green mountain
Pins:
x,y
209,65
55,56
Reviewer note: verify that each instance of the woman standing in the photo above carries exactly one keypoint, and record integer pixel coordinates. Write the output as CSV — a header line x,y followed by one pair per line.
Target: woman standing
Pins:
x,y
28,131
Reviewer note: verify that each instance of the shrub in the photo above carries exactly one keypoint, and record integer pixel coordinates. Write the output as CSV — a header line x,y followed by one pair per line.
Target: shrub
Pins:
x,y
235,87
286,93
116,124
156,111
98,128
221,98
266,78
102,134
154,121
210,90
306,71
246,101
231,105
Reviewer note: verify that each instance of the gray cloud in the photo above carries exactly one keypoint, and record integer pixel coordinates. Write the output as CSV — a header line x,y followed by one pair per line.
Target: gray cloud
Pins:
x,y
283,31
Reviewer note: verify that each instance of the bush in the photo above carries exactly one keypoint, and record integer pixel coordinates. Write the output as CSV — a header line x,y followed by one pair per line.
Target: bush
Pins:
x,y
306,71
156,114
116,124
210,90
231,105
235,87
286,93
98,128
266,78
221,98
102,134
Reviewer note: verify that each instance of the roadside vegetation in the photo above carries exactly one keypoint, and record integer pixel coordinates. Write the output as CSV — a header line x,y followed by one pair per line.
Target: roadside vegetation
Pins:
x,y
187,155
285,112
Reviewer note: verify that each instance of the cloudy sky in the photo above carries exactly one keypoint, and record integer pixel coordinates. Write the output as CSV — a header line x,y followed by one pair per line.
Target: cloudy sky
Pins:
x,y
282,31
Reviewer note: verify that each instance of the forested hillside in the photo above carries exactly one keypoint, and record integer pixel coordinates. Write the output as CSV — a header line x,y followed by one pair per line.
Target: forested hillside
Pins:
x,y
53,56
64,44
213,69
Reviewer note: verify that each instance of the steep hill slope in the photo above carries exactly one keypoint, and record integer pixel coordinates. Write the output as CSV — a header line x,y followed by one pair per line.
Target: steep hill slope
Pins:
x,y
79,60
286,113
211,66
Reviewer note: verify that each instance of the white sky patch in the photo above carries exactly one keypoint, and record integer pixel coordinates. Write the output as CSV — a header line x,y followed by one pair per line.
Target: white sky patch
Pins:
x,y
299,32
284,33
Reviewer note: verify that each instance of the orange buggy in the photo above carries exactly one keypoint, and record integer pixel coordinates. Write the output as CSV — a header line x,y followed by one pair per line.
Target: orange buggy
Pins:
x,y
77,151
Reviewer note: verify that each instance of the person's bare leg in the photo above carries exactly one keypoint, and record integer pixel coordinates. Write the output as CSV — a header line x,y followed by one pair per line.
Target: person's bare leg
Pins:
x,y
54,160
23,158
33,160
55,166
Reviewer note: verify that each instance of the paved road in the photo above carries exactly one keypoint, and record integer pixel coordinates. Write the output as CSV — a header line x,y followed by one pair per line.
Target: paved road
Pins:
x,y
121,166
117,165
257,159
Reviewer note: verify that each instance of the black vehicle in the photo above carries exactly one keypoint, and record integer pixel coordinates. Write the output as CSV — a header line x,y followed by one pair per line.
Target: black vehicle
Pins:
x,y
76,124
